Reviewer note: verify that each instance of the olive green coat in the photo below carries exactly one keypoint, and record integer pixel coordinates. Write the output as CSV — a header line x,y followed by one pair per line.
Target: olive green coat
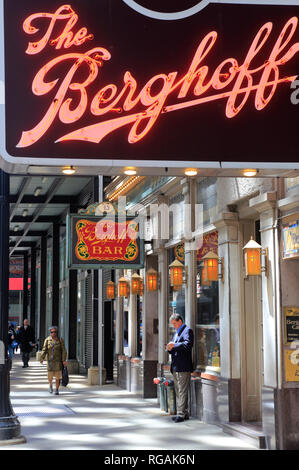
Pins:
x,y
54,352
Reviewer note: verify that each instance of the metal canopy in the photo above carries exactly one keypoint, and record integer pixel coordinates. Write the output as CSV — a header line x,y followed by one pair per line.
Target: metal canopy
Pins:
x,y
36,202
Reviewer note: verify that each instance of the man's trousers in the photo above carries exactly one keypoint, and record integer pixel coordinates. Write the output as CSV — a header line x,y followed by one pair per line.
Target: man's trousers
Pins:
x,y
181,385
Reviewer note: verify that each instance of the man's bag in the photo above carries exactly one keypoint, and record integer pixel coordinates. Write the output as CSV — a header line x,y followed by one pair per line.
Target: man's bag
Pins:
x,y
65,376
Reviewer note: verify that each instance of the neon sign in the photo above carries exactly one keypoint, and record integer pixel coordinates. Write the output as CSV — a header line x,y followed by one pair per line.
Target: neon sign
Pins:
x,y
140,106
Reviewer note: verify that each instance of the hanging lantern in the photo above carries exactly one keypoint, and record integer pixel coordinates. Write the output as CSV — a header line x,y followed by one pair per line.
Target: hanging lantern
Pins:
x,y
210,268
176,274
136,284
151,280
252,258
110,290
141,287
123,287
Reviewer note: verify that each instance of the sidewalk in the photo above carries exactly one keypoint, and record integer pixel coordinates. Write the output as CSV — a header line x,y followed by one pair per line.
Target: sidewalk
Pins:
x,y
87,417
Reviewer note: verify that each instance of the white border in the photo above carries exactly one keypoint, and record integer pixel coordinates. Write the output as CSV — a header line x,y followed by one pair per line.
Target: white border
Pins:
x,y
18,165
200,6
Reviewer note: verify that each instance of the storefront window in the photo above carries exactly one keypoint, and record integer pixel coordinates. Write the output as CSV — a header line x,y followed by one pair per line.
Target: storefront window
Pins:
x,y
176,296
207,342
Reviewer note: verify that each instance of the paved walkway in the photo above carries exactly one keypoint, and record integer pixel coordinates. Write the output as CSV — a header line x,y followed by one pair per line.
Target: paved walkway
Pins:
x,y
109,418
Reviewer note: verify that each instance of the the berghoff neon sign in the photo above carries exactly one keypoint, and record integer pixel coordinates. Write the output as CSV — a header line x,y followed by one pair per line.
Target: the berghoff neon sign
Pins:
x,y
141,106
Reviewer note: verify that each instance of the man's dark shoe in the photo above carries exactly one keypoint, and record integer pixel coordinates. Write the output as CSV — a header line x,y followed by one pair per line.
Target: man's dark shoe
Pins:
x,y
175,417
179,419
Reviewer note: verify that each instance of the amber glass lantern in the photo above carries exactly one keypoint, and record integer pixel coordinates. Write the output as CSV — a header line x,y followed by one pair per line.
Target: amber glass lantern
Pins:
x,y
176,270
136,284
110,290
123,287
210,267
151,280
252,258
141,287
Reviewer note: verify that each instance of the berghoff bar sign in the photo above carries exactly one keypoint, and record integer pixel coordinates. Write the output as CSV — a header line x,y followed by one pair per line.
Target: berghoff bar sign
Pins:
x,y
104,241
102,80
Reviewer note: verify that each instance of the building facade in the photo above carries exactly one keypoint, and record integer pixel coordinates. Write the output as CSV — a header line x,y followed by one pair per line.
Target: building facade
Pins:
x,y
244,377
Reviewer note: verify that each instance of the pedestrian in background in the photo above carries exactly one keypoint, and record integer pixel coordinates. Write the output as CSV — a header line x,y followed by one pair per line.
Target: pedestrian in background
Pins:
x,y
26,339
181,364
17,331
55,352
11,339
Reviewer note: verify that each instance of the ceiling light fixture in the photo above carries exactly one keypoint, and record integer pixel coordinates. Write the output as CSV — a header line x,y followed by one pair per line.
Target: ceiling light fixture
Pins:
x,y
191,172
68,170
249,172
25,212
37,191
130,171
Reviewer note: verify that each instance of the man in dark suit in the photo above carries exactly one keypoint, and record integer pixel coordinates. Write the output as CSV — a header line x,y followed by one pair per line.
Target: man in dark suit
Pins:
x,y
26,338
181,364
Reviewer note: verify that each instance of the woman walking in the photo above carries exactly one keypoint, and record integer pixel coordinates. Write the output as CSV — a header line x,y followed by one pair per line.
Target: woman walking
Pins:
x,y
55,352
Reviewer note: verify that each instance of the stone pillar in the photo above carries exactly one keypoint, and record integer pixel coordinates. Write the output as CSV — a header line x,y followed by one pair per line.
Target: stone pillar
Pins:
x,y
132,320
150,334
150,317
227,225
265,204
162,305
189,192
119,343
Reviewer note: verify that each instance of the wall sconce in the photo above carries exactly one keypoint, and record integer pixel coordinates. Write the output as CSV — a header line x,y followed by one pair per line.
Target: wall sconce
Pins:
x,y
176,270
110,290
212,268
123,287
254,254
136,282
152,280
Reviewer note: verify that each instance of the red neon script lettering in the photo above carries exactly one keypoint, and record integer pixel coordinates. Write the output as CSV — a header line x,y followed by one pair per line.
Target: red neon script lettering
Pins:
x,y
66,39
143,105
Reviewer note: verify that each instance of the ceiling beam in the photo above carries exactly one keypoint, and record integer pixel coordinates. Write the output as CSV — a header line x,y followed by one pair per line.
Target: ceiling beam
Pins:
x,y
31,199
23,187
29,218
23,244
31,233
19,253
52,190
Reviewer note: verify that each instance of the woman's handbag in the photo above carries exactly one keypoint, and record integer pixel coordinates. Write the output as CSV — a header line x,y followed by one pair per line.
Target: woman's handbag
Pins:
x,y
65,376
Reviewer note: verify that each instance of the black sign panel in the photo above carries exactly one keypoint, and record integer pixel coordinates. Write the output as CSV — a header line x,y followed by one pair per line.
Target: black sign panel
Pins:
x,y
104,242
131,80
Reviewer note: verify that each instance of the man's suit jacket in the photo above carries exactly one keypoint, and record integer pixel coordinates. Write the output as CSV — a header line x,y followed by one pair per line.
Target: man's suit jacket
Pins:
x,y
181,354
25,337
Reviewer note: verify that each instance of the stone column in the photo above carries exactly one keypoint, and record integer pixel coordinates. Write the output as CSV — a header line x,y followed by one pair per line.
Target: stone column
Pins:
x,y
162,305
132,320
281,425
118,316
150,334
227,225
189,192
150,317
